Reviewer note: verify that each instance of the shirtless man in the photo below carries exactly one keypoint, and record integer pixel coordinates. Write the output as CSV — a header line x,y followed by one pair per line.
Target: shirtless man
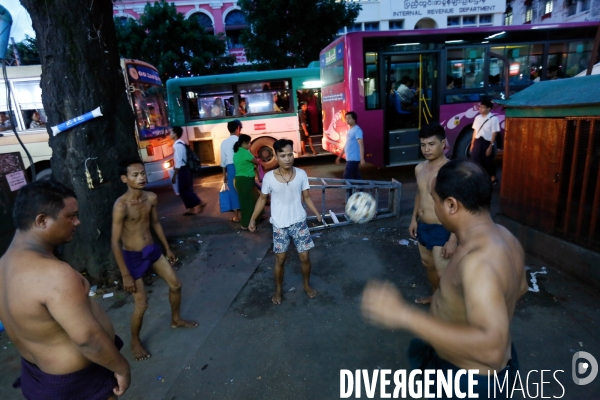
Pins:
x,y
133,214
67,343
436,244
468,326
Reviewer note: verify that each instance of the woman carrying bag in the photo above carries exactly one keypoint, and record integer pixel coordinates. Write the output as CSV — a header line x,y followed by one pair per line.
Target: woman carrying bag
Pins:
x,y
244,163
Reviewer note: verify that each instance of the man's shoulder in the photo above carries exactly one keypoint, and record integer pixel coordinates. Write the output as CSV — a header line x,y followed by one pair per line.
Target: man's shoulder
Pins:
x,y
300,173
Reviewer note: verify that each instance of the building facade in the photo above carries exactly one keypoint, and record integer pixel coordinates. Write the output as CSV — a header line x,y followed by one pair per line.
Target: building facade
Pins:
x,y
227,18
215,16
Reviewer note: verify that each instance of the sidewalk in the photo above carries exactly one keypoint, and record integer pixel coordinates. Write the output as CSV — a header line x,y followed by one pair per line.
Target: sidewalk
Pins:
x,y
248,348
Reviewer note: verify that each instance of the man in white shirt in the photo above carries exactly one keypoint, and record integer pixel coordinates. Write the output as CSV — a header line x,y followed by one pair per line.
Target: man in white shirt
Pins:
x,y
288,186
486,128
183,175
235,128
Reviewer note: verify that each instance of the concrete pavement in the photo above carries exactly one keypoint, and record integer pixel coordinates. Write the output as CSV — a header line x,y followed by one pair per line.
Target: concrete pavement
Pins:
x,y
247,348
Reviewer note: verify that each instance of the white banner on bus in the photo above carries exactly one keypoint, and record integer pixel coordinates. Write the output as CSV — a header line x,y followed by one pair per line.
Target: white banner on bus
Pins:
x,y
424,8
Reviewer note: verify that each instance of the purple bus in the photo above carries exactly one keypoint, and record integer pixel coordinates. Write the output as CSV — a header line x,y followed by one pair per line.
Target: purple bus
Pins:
x,y
398,81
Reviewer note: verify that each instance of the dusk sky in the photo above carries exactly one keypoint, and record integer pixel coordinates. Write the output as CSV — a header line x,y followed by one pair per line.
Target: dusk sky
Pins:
x,y
21,20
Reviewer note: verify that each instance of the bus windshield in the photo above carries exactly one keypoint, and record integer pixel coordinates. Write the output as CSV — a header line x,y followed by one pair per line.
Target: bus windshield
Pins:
x,y
150,113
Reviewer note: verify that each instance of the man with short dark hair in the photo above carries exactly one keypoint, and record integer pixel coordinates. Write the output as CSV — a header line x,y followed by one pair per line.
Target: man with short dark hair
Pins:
x,y
468,326
436,244
288,186
235,128
182,175
486,128
67,343
304,133
136,252
354,149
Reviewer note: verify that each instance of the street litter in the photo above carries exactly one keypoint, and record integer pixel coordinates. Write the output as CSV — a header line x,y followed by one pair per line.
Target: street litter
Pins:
x,y
315,235
404,242
334,218
181,242
292,289
413,240
197,234
535,287
200,241
365,239
107,295
93,290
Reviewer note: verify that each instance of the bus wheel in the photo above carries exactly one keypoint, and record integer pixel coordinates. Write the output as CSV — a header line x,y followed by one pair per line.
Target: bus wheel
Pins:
x,y
44,174
463,147
263,148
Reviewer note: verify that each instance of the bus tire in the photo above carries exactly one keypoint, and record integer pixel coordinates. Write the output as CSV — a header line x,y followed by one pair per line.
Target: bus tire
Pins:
x,y
263,148
44,174
463,147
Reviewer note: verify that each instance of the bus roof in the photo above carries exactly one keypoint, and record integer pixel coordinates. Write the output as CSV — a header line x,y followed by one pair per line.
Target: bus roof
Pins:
x,y
416,35
243,77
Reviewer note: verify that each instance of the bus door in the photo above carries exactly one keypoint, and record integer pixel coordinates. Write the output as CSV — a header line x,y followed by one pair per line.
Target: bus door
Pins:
x,y
410,84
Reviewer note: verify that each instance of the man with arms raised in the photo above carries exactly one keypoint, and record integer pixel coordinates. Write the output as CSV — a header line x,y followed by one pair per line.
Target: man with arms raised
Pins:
x,y
436,244
133,213
468,326
67,343
288,186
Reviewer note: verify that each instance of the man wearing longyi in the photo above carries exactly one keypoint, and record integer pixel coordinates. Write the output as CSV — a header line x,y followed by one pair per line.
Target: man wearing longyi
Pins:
x,y
67,343
469,320
136,252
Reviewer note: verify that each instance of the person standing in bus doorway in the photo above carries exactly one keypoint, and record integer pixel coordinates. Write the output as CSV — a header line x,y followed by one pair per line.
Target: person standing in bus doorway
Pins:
x,y
235,128
486,128
436,244
182,175
136,252
354,149
304,133
288,186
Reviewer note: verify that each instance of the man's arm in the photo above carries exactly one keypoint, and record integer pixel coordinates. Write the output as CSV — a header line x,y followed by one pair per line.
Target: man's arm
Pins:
x,y
450,246
362,152
338,160
119,214
308,200
482,339
260,204
158,227
70,305
490,148
412,228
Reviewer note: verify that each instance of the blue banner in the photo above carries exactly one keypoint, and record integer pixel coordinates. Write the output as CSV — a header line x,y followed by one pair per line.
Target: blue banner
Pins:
x,y
137,73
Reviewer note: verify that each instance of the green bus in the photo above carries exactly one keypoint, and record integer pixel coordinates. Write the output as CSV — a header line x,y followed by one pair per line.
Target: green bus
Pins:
x,y
266,102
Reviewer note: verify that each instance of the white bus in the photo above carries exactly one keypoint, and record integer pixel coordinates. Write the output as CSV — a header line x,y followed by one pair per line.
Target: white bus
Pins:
x,y
146,96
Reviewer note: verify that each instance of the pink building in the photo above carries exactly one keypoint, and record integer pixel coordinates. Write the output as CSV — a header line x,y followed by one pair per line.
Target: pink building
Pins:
x,y
215,16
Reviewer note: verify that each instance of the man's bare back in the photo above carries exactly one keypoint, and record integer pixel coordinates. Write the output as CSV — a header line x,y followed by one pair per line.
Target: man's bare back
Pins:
x,y
490,253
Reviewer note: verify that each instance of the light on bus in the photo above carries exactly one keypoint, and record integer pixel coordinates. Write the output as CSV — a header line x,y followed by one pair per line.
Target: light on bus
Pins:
x,y
514,68
150,150
316,84
454,41
495,34
407,44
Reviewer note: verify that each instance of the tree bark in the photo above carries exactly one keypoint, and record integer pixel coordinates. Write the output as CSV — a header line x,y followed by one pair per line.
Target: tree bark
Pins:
x,y
81,71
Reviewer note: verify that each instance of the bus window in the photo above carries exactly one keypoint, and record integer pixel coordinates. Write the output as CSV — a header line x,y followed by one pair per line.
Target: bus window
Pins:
x,y
34,119
557,55
333,73
370,82
149,111
579,53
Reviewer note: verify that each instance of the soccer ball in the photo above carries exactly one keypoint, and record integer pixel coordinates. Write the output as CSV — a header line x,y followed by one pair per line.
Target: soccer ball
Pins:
x,y
361,207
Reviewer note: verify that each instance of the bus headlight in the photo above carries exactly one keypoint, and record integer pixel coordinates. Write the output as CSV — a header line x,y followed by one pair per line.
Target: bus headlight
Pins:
x,y
168,164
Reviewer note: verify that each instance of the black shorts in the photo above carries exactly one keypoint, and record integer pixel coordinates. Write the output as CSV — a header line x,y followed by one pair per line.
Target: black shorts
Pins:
x,y
304,136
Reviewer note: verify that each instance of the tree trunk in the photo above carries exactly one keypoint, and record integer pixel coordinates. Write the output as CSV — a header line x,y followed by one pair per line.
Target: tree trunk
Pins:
x,y
81,71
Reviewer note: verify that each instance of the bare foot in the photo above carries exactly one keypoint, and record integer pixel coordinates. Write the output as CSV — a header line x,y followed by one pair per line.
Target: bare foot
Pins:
x,y
276,299
310,291
182,323
423,300
139,352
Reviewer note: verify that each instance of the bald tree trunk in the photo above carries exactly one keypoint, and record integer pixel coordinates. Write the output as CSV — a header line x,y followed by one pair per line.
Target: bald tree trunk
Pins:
x,y
80,72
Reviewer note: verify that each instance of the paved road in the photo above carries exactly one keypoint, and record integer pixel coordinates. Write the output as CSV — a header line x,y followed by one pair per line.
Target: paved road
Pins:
x,y
247,348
